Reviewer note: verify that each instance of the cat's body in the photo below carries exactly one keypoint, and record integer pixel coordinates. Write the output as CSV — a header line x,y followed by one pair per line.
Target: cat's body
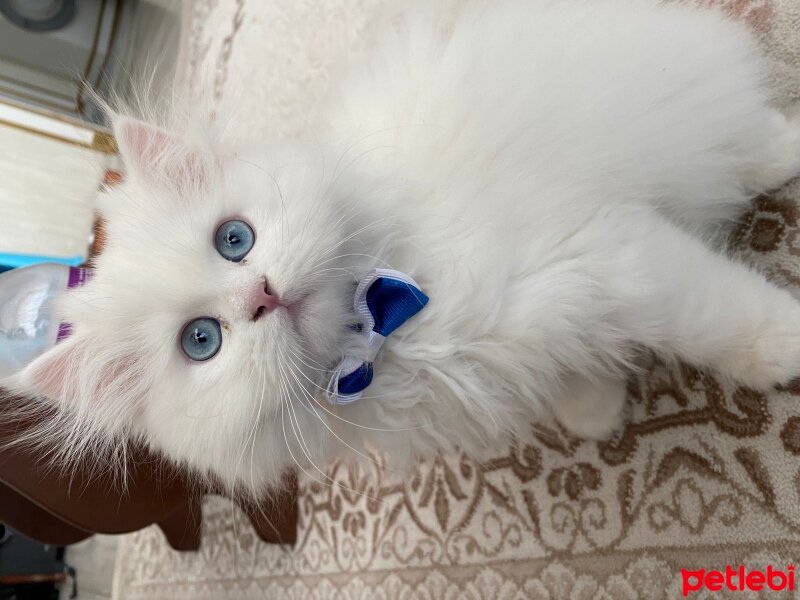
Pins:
x,y
551,174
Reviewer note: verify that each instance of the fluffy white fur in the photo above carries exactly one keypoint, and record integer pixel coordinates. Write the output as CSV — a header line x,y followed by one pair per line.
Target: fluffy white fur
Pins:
x,y
550,172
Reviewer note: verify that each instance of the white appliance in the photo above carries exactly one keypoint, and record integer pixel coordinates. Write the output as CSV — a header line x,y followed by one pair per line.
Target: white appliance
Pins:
x,y
49,48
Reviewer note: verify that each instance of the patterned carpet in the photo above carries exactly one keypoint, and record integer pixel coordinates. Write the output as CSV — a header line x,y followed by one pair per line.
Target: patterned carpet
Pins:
x,y
704,475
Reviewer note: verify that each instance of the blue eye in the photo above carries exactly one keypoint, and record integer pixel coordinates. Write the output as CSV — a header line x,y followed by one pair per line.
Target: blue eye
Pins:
x,y
234,239
201,339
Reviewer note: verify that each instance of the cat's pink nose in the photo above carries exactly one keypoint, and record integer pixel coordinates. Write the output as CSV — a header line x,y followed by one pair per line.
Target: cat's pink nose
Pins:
x,y
263,301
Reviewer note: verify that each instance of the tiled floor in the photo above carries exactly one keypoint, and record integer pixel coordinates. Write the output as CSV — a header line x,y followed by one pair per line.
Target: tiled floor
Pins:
x,y
93,561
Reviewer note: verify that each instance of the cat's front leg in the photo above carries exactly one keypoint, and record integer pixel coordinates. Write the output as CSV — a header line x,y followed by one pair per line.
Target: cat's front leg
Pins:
x,y
709,310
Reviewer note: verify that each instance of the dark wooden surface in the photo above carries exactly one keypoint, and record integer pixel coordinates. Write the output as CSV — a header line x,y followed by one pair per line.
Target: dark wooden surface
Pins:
x,y
63,508
36,522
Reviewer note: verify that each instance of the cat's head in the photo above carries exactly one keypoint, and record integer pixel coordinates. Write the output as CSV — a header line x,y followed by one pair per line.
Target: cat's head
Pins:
x,y
222,296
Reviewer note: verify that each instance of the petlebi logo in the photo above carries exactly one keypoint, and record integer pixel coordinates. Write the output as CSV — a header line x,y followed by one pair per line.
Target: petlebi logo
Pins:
x,y
738,579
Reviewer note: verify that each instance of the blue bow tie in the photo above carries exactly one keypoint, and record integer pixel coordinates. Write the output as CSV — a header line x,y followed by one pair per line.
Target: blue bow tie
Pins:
x,y
384,300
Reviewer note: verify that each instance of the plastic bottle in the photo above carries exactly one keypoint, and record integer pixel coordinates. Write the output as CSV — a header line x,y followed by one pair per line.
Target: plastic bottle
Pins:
x,y
27,327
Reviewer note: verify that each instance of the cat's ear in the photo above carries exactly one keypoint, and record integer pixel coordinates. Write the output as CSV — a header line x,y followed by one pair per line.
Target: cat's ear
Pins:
x,y
158,156
76,372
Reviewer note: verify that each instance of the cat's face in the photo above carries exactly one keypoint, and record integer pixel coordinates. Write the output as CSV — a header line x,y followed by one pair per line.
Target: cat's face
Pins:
x,y
220,301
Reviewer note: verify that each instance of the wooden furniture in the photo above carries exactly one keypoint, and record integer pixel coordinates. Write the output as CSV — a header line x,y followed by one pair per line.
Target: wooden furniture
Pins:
x,y
63,508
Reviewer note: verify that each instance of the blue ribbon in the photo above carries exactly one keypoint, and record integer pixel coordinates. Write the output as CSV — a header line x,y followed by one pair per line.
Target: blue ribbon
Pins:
x,y
385,299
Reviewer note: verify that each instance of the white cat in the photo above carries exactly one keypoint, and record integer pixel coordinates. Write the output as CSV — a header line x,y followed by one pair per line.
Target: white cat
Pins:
x,y
550,173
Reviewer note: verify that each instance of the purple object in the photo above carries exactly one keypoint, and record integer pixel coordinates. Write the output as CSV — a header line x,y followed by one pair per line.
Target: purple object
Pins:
x,y
77,277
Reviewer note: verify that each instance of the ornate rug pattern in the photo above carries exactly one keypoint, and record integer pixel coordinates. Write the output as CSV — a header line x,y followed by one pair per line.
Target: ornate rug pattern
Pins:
x,y
704,475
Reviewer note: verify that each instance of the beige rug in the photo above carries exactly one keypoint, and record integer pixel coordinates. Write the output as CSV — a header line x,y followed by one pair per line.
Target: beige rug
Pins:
x,y
705,475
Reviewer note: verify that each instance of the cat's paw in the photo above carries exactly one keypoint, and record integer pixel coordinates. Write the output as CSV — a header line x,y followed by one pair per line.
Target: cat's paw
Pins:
x,y
592,409
779,160
773,358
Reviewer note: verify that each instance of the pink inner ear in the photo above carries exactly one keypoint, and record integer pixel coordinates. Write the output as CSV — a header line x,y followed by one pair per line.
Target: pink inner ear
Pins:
x,y
49,373
142,143
155,153
55,374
